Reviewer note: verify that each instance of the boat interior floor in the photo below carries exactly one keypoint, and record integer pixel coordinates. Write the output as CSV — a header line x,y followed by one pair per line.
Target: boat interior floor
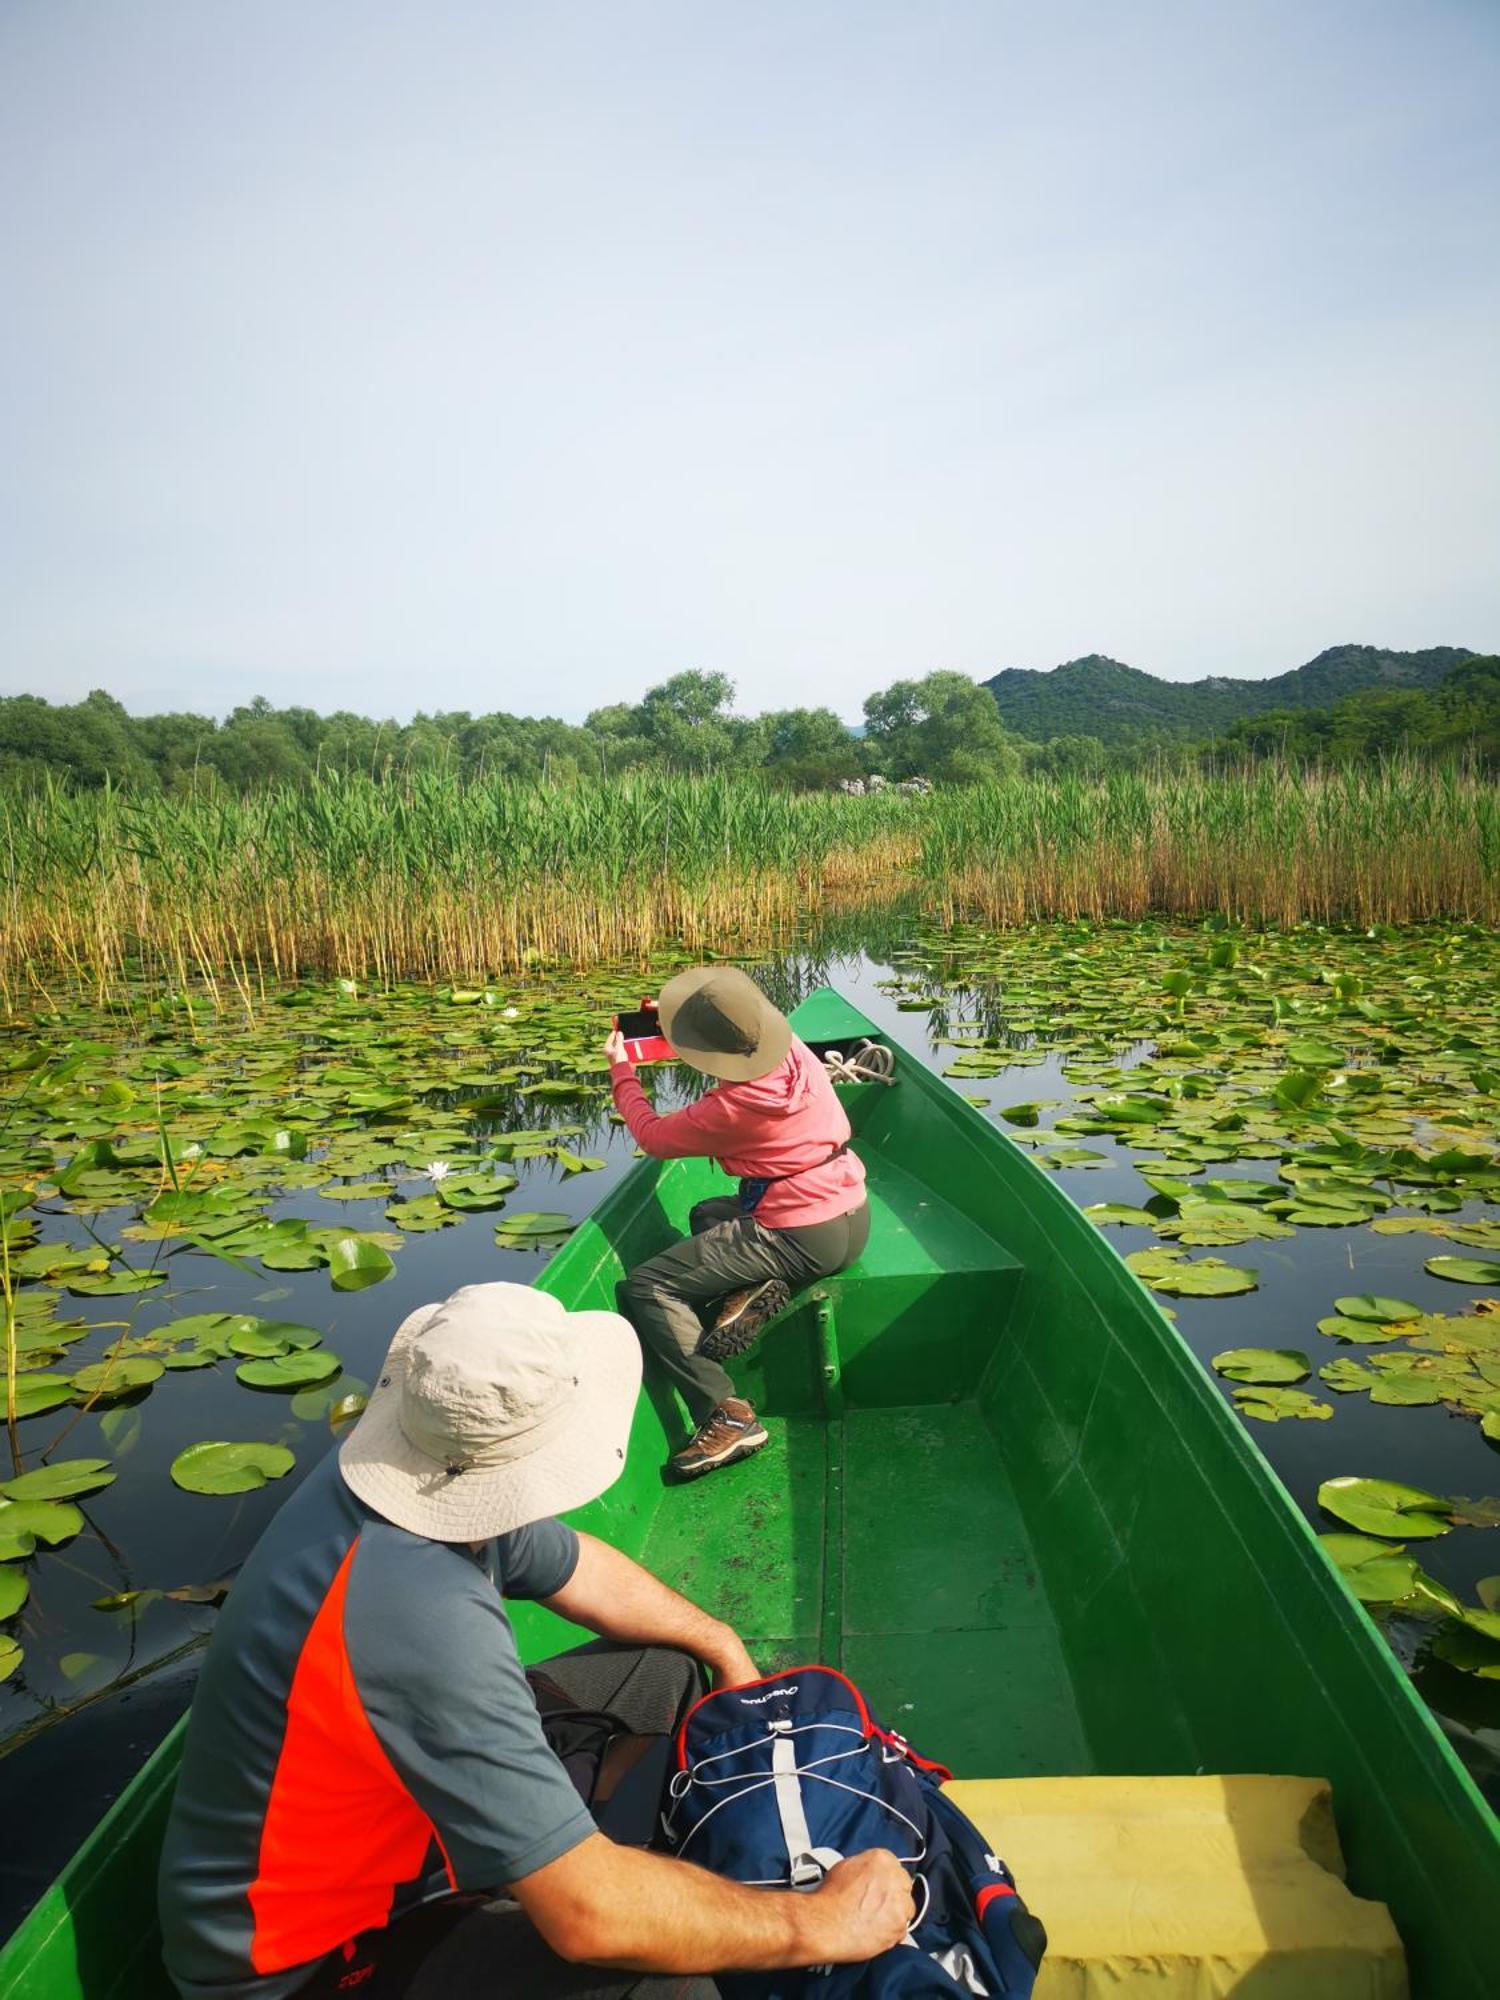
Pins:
x,y
887,1542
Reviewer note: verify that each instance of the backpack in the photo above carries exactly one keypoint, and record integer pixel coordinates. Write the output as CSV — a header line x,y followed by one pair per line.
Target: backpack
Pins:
x,y
778,1780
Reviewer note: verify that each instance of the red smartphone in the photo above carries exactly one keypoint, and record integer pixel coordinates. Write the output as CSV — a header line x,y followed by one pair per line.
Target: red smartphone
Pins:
x,y
644,1042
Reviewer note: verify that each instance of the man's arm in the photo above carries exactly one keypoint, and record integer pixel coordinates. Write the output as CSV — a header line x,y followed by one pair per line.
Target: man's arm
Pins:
x,y
610,1594
600,1904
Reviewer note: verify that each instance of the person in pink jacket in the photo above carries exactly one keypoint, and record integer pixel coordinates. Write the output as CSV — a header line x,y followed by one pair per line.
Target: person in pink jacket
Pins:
x,y
773,1121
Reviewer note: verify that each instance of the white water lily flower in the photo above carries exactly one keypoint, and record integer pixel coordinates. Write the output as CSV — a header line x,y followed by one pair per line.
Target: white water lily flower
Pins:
x,y
510,1014
193,1152
437,1170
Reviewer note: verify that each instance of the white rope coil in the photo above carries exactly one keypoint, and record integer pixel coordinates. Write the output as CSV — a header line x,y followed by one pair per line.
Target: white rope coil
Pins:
x,y
871,1062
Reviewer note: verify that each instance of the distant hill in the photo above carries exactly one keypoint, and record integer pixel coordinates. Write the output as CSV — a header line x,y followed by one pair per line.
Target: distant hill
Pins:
x,y
1096,696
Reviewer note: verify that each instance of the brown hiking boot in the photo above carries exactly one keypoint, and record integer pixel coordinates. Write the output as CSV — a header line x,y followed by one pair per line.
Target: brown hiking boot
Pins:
x,y
741,1318
731,1432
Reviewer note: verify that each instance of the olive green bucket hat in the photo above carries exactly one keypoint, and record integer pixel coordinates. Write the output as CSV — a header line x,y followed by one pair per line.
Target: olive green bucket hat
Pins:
x,y
717,1019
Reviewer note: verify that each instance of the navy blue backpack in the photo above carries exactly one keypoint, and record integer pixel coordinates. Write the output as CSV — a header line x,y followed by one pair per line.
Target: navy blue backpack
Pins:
x,y
778,1780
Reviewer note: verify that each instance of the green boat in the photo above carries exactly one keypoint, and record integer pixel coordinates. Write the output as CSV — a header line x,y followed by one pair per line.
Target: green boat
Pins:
x,y
1001,1494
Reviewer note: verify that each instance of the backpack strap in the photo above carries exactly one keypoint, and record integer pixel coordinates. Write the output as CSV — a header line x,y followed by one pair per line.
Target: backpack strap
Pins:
x,y
807,1864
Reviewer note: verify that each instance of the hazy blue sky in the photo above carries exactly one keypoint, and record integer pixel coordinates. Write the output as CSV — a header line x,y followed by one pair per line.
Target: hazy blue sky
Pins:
x,y
518,355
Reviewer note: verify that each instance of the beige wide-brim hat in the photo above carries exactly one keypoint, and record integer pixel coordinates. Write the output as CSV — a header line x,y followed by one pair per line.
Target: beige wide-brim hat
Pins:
x,y
495,1407
717,1019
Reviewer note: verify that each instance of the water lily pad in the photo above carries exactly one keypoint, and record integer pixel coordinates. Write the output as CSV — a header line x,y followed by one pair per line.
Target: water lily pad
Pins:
x,y
1348,1377
1262,1364
1106,1212
59,1481
1386,1507
1468,1651
14,1591
230,1468
111,1283
355,1263
289,1371
1373,1570
1167,1270
1313,1054
1171,1187
1370,1306
356,1191
1221,1224
104,1380
1365,1332
1269,1406
475,1191
1482,1235
260,1339
1408,1389
1297,1091
425,1213
190,1357
24,1523
1465,1270
10,1656
1324,1214
37,1393
536,1223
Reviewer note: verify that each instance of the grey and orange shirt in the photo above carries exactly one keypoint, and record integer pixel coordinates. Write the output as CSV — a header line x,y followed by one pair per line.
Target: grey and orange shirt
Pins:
x,y
362,1738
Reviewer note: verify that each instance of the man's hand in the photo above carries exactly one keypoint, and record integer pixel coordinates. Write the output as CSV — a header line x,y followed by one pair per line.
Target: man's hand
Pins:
x,y
614,1048
863,1907
605,1905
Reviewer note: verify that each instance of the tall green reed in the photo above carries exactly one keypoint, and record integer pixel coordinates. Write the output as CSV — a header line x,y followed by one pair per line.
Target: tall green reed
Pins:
x,y
427,876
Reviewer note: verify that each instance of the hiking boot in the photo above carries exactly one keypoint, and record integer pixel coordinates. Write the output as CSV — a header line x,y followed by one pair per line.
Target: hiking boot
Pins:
x,y
731,1432
741,1318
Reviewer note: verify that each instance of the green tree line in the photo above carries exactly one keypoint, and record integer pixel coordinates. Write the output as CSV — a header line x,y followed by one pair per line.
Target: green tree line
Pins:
x,y
943,727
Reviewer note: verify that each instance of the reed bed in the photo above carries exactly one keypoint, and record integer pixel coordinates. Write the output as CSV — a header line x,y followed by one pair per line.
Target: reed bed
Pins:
x,y
429,877
1268,844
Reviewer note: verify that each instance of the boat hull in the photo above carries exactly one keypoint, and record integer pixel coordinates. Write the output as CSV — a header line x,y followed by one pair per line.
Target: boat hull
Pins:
x,y
1002,1494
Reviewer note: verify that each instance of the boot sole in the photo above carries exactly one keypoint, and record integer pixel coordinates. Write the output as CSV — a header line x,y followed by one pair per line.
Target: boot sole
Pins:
x,y
744,1448
722,1343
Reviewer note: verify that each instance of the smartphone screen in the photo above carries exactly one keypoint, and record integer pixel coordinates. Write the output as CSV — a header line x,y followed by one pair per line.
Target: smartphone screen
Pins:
x,y
640,1025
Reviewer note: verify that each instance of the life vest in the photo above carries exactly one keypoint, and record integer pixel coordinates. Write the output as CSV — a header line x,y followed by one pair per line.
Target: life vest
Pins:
x,y
778,1780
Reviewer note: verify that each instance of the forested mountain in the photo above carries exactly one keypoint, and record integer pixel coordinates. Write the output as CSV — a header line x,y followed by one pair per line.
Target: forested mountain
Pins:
x,y
1100,697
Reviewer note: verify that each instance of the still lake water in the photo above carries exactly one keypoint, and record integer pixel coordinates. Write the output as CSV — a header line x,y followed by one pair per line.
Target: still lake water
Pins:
x,y
99,1688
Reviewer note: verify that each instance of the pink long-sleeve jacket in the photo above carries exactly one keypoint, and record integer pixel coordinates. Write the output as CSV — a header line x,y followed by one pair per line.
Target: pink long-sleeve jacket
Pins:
x,y
787,1123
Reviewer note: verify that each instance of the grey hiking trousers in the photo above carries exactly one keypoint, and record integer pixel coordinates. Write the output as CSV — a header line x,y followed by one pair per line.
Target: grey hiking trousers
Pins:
x,y
667,1299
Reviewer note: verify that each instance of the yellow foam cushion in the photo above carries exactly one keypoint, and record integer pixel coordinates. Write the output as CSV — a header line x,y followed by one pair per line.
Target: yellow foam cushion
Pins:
x,y
1187,1887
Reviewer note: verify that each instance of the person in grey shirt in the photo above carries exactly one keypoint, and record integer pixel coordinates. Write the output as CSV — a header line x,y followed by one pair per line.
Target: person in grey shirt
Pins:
x,y
372,1797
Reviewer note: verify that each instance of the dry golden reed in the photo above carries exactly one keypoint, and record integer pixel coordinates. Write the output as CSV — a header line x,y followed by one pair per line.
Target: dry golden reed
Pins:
x,y
428,878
